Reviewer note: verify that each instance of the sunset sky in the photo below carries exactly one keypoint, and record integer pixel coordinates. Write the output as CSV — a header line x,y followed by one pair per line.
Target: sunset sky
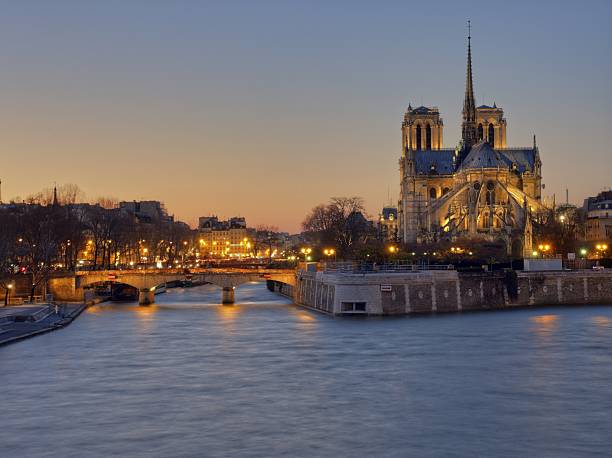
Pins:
x,y
266,108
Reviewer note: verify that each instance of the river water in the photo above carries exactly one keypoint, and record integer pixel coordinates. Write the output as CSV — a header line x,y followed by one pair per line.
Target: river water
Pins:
x,y
188,377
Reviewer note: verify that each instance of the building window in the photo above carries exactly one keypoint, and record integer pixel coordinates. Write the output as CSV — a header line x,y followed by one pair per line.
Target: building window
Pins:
x,y
490,193
354,307
445,191
432,193
491,135
485,220
418,137
480,132
428,137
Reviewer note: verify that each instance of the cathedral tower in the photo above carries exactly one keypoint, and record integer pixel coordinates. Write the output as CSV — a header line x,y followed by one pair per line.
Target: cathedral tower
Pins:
x,y
422,129
491,125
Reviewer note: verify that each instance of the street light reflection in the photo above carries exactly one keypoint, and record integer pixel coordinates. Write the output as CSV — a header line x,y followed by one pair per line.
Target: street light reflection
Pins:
x,y
602,321
228,313
545,324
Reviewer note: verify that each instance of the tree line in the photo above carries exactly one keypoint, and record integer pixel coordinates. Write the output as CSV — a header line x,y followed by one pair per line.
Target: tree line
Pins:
x,y
38,236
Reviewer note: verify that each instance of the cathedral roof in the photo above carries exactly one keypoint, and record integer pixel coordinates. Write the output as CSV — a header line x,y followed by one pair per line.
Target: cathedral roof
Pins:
x,y
482,155
523,158
422,110
434,162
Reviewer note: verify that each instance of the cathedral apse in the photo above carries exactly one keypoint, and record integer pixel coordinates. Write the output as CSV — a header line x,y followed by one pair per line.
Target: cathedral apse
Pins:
x,y
480,190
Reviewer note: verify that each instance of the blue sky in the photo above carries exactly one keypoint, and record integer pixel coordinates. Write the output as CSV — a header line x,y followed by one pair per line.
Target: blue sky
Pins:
x,y
266,108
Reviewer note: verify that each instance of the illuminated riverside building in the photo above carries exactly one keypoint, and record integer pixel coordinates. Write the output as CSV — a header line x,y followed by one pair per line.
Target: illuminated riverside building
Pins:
x,y
598,211
388,224
224,239
481,190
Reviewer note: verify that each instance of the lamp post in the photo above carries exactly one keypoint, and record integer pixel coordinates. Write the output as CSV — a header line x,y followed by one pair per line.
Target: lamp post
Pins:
x,y
601,249
183,253
9,287
329,252
306,252
544,249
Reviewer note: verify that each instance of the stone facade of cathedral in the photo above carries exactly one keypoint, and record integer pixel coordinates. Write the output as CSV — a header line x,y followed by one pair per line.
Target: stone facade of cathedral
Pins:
x,y
481,190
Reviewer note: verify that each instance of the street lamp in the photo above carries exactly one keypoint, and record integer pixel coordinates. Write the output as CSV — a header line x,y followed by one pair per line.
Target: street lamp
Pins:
x,y
330,252
306,252
544,248
601,249
9,287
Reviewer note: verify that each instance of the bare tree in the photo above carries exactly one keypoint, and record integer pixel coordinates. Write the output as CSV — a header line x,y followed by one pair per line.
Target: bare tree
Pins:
x,y
266,235
67,194
341,222
8,236
39,234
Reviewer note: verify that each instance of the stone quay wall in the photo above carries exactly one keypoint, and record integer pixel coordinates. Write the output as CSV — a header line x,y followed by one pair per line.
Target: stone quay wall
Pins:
x,y
284,289
447,291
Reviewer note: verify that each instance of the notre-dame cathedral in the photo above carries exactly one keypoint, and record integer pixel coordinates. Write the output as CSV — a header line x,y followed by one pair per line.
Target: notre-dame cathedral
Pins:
x,y
480,190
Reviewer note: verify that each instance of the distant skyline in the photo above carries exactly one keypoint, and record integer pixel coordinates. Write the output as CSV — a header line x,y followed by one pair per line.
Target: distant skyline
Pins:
x,y
265,109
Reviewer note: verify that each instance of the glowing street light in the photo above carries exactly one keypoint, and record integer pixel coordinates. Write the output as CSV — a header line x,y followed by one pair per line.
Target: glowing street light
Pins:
x,y
544,248
306,252
601,249
9,287
329,252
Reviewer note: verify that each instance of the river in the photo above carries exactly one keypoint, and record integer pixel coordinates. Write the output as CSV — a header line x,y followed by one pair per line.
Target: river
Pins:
x,y
263,378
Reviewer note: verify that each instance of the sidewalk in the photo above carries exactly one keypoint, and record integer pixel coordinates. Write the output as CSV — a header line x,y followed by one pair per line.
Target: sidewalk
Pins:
x,y
20,322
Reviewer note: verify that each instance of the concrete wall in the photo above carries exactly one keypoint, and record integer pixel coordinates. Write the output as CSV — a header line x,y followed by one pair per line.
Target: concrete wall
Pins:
x,y
448,291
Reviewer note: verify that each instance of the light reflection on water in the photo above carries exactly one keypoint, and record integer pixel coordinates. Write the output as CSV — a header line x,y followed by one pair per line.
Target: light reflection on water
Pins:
x,y
189,377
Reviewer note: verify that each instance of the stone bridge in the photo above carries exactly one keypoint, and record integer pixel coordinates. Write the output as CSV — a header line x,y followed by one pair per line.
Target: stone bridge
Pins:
x,y
72,287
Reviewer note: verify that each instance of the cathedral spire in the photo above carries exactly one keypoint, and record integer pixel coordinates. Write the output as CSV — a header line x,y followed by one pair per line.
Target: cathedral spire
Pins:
x,y
468,128
55,202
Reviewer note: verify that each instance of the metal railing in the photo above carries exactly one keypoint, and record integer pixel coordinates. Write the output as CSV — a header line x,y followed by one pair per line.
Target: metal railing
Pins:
x,y
374,267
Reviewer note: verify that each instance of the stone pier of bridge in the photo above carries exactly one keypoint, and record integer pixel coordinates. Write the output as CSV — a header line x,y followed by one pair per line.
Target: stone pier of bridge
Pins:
x,y
227,295
146,296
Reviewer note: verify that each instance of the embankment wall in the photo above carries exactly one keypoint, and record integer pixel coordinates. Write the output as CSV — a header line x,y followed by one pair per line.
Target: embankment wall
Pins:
x,y
447,291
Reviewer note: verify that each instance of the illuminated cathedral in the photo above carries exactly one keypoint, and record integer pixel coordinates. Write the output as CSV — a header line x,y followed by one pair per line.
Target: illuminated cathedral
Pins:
x,y
480,190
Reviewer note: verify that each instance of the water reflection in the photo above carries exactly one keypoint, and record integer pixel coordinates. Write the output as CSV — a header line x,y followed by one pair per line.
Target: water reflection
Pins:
x,y
545,324
263,378
602,321
228,313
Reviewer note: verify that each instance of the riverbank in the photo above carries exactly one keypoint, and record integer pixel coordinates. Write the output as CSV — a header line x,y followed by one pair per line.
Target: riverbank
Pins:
x,y
400,293
22,322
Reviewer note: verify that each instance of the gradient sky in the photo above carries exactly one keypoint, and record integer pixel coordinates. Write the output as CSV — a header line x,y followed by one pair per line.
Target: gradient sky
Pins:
x,y
267,108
